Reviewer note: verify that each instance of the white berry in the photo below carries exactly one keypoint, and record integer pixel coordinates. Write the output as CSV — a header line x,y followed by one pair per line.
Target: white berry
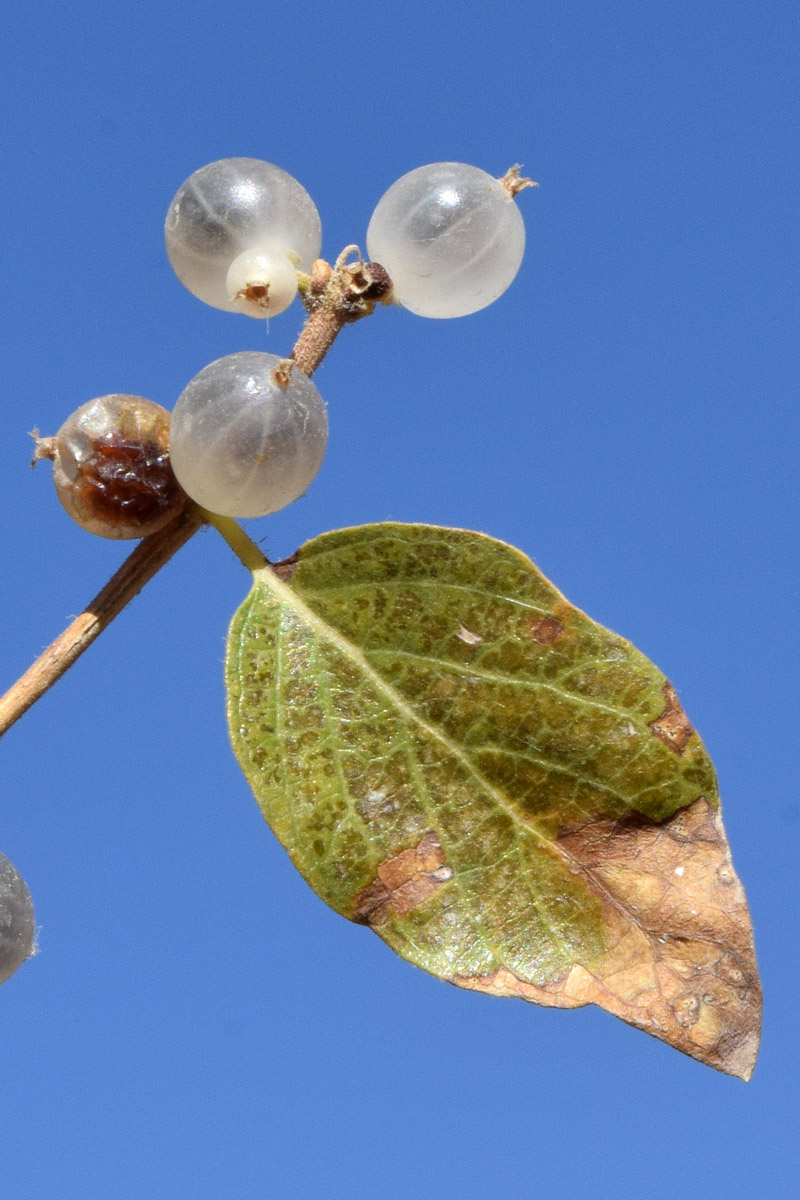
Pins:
x,y
231,206
450,236
261,283
248,435
17,925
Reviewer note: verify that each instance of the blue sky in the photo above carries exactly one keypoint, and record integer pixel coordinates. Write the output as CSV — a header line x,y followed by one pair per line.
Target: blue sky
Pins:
x,y
197,1023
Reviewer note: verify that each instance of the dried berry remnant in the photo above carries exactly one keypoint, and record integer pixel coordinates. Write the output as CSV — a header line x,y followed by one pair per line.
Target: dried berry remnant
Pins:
x,y
514,183
379,285
111,467
17,925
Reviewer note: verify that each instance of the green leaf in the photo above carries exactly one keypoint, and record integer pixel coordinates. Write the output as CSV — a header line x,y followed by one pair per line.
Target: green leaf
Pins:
x,y
510,795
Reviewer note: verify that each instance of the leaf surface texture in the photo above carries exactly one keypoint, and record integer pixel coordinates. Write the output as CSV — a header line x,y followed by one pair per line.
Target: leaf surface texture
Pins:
x,y
509,794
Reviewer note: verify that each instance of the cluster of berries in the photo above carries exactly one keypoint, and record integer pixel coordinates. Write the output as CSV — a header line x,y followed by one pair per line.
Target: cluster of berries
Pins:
x,y
249,432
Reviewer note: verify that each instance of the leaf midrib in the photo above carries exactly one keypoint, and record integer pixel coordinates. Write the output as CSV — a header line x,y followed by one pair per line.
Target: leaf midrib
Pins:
x,y
286,595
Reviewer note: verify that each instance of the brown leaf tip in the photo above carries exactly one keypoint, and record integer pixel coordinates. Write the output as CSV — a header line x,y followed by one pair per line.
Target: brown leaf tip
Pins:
x,y
546,630
403,882
679,961
673,727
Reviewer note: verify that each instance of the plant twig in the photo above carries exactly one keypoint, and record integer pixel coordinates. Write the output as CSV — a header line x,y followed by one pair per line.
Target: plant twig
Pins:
x,y
334,297
149,556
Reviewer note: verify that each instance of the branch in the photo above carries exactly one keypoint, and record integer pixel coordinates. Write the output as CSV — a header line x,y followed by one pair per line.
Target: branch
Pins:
x,y
334,297
149,556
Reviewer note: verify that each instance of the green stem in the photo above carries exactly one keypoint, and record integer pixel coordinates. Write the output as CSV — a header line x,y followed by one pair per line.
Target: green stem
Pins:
x,y
242,546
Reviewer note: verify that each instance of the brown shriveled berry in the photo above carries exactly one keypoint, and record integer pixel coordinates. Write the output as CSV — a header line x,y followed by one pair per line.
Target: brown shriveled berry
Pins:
x,y
111,467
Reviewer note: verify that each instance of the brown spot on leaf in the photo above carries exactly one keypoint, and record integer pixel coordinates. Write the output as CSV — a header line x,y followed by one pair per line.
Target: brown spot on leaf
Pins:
x,y
679,959
403,882
546,630
672,727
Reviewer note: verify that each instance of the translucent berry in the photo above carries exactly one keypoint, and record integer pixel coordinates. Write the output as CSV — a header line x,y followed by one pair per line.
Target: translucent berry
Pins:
x,y
248,435
261,283
232,206
17,925
111,467
450,236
